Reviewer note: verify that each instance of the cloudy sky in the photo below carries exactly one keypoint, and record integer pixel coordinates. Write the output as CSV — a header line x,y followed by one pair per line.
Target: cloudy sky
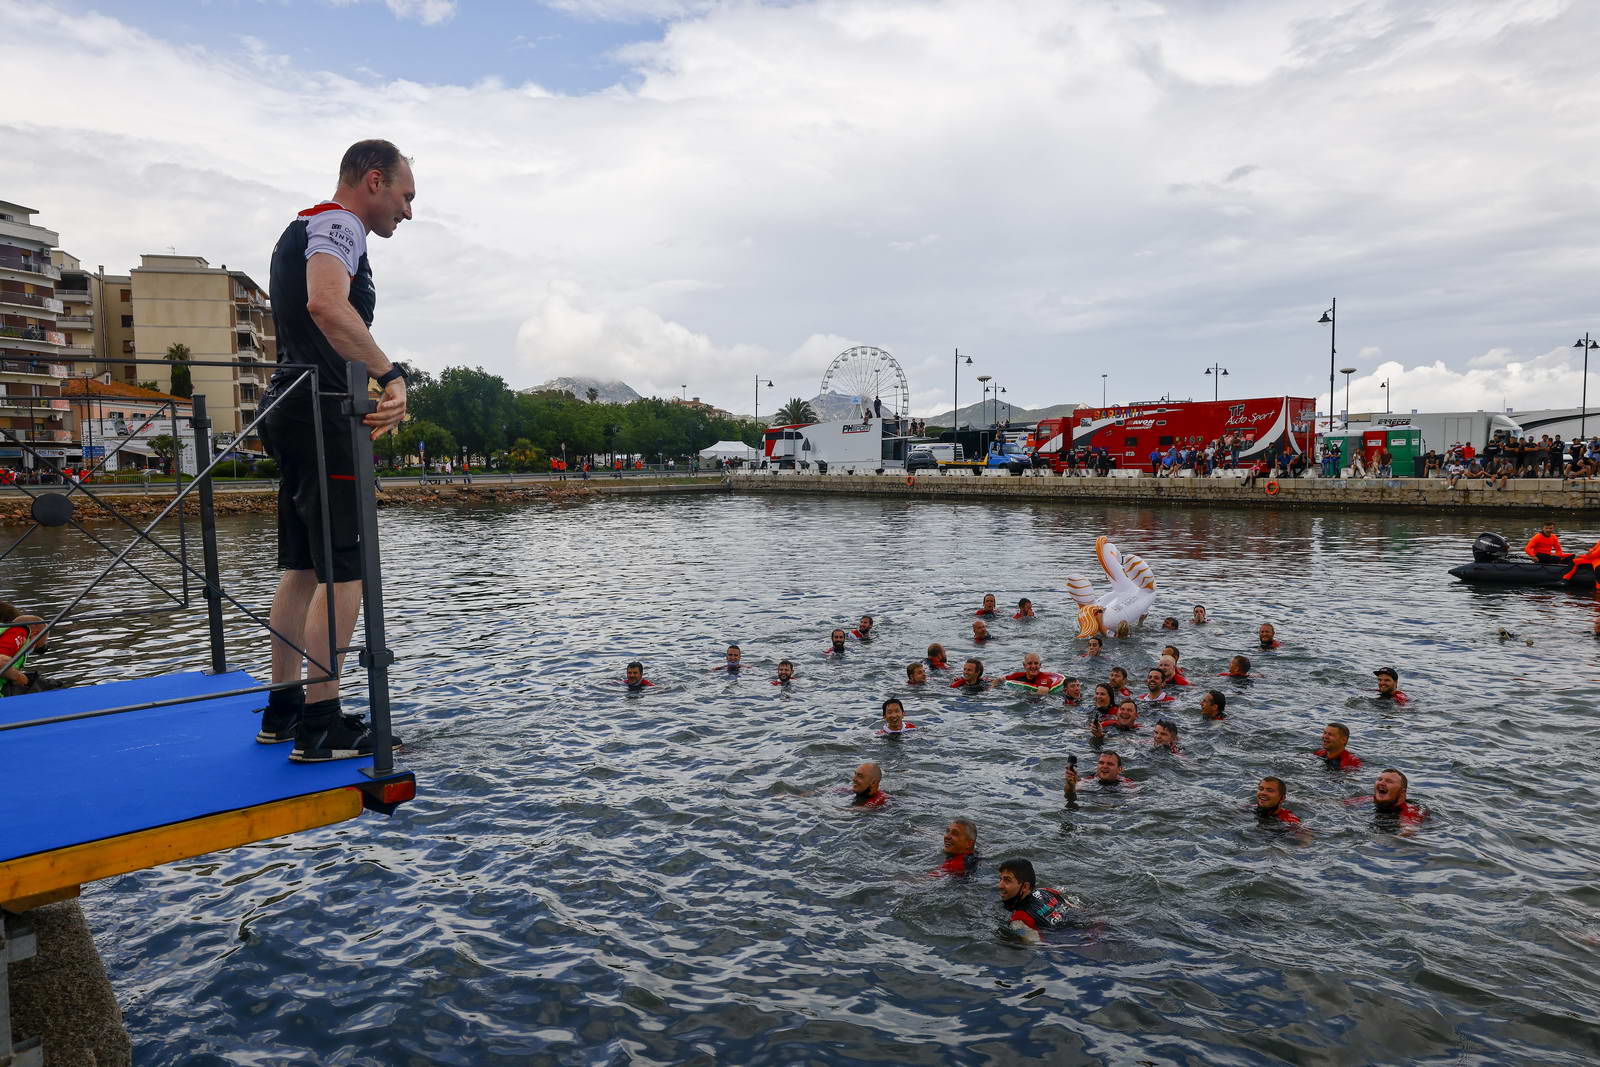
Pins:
x,y
687,193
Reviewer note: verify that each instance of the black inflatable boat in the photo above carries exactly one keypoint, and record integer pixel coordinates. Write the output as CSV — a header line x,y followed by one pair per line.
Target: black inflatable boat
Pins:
x,y
1493,564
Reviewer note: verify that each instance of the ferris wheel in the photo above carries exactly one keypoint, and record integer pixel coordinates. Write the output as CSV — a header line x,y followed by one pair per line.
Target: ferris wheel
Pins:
x,y
865,373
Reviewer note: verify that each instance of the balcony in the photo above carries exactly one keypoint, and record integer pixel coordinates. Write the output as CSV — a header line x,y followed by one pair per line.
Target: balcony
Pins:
x,y
31,300
75,322
30,265
39,407
32,368
249,377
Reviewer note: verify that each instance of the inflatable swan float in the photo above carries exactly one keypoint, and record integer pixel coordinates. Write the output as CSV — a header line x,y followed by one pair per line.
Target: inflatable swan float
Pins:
x,y
1132,592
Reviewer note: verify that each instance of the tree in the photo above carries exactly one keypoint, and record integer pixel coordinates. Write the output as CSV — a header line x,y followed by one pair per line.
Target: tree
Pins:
x,y
592,393
166,446
794,413
182,382
471,403
410,438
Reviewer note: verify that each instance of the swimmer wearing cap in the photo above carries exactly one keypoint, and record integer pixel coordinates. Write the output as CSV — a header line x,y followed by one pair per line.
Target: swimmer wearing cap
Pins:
x,y
1389,685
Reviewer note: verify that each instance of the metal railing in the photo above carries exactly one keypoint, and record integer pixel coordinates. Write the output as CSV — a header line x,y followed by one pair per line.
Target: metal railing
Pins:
x,y
51,507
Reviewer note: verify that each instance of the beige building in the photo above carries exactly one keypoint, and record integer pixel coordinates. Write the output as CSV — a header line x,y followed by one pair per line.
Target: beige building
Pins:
x,y
32,409
97,315
219,315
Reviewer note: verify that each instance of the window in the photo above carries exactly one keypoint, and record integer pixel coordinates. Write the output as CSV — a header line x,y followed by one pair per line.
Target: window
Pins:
x,y
127,320
1165,439
127,295
130,372
1131,442
127,348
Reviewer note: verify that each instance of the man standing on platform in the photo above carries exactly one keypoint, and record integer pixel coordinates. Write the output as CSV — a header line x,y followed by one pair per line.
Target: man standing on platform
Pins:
x,y
322,302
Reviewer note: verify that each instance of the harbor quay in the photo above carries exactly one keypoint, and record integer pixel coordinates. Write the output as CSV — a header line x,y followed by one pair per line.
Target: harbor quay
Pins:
x,y
1521,496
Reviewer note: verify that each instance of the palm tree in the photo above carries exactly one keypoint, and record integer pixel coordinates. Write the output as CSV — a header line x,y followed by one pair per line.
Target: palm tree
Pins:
x,y
182,383
795,413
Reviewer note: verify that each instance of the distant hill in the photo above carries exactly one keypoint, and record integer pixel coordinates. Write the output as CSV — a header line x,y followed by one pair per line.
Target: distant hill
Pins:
x,y
983,414
609,392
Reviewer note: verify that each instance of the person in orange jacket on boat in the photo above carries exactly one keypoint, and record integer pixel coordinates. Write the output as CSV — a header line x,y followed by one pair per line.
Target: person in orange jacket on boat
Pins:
x,y
1590,558
1544,543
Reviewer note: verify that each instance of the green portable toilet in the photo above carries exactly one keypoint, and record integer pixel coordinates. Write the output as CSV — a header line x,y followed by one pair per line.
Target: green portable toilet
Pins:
x,y
1405,443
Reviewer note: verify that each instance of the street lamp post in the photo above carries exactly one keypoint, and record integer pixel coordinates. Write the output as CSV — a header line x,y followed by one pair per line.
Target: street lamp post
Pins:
x,y
998,390
1386,395
955,411
1102,391
1583,413
1331,317
1346,371
1217,372
983,404
757,416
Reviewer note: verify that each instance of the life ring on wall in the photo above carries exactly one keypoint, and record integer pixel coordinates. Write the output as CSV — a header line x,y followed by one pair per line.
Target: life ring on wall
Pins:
x,y
1271,489
911,479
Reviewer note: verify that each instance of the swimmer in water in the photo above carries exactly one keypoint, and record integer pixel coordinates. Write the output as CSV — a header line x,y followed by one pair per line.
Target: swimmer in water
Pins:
x,y
971,675
1124,629
1032,671
633,677
1107,775
1334,753
1389,685
863,630
1270,792
960,847
1213,704
836,648
1156,687
1238,667
1170,673
937,660
916,673
1389,798
894,717
980,632
1169,623
1177,671
989,602
1096,646
864,784
1165,736
785,673
1199,617
1024,609
733,659
1032,909
1071,692
1125,720
1119,682
1268,635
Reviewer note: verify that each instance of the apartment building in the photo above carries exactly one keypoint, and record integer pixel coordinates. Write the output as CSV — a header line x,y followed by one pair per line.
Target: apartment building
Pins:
x,y
219,315
98,314
33,413
117,425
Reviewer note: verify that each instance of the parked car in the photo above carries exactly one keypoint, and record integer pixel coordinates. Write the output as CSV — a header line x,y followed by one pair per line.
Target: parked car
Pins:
x,y
921,459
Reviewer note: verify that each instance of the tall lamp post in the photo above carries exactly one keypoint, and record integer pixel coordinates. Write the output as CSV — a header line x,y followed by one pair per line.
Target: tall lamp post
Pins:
x,y
955,412
1386,395
983,404
1217,372
998,389
1331,318
1583,414
757,416
1346,371
1102,391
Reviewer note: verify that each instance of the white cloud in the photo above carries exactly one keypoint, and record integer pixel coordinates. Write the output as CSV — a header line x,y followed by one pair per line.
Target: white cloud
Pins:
x,y
1491,382
427,12
1060,187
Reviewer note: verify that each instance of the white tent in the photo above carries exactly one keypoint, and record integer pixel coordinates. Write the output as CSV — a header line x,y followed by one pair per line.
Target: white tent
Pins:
x,y
728,450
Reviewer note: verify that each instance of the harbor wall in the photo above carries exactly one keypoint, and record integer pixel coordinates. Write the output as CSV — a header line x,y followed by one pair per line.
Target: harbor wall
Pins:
x,y
1522,496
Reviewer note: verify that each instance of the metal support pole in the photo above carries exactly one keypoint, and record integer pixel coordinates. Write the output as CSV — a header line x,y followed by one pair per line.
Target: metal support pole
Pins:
x,y
1333,326
375,656
1583,412
208,532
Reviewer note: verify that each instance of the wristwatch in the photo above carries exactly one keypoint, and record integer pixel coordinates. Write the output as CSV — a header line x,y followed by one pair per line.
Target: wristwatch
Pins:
x,y
397,370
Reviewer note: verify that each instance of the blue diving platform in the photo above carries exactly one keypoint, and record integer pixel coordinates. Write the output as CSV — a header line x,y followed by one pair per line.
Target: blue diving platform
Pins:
x,y
98,797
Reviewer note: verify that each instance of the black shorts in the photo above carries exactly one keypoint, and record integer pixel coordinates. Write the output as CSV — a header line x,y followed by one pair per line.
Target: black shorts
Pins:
x,y
289,433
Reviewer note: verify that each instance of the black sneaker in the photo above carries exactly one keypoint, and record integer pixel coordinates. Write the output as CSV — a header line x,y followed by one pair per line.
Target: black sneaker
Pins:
x,y
343,737
280,719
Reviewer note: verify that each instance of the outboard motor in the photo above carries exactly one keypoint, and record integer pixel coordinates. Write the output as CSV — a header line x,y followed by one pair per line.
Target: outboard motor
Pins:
x,y
1490,548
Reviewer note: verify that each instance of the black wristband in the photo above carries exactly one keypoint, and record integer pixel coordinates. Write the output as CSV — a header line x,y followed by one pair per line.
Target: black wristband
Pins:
x,y
396,370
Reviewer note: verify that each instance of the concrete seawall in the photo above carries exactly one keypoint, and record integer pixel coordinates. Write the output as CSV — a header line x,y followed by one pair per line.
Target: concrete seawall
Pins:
x,y
1522,496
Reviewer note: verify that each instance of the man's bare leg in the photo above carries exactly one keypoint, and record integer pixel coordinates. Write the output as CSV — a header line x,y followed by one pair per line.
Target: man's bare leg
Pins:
x,y
288,617
346,605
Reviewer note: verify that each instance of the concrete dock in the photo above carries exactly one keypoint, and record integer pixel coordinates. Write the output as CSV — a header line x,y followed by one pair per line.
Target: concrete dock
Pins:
x,y
1522,496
